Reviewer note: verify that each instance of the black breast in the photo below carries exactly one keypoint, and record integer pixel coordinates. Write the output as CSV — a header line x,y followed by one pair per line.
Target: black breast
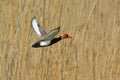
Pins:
x,y
37,44
55,40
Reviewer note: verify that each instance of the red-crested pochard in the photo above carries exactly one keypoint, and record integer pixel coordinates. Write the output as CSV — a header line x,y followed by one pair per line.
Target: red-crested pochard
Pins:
x,y
46,39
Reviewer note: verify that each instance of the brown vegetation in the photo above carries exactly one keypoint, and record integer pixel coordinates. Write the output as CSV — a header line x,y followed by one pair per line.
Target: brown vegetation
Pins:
x,y
92,54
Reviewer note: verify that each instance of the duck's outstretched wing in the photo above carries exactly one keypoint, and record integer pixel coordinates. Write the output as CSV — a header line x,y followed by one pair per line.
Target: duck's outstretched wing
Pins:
x,y
40,31
52,34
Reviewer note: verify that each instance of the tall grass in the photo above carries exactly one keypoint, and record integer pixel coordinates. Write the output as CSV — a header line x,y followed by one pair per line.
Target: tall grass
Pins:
x,y
92,54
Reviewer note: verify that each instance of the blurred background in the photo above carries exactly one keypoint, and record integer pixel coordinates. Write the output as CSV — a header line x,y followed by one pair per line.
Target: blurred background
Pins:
x,y
92,54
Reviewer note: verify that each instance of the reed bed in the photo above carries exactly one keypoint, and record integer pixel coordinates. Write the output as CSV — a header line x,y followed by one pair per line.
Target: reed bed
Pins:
x,y
92,54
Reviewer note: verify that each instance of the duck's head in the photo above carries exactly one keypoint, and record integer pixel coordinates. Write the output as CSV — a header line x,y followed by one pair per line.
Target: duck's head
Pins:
x,y
64,36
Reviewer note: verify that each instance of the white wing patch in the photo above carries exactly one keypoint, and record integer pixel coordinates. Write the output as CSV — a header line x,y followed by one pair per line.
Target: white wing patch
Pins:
x,y
36,27
44,43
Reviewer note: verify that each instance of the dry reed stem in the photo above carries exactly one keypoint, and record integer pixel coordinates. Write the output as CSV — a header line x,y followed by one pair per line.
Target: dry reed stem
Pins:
x,y
92,54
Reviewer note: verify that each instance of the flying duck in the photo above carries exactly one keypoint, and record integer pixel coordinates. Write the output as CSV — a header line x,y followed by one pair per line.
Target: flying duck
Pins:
x,y
46,39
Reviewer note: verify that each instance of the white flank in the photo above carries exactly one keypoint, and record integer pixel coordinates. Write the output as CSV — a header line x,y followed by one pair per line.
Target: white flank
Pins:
x,y
44,43
35,26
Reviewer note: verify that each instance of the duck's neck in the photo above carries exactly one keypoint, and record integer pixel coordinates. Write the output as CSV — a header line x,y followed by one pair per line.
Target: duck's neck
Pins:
x,y
56,40
59,38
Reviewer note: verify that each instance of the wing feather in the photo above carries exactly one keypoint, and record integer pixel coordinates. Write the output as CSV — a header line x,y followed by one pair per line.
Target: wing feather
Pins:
x,y
52,33
38,28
